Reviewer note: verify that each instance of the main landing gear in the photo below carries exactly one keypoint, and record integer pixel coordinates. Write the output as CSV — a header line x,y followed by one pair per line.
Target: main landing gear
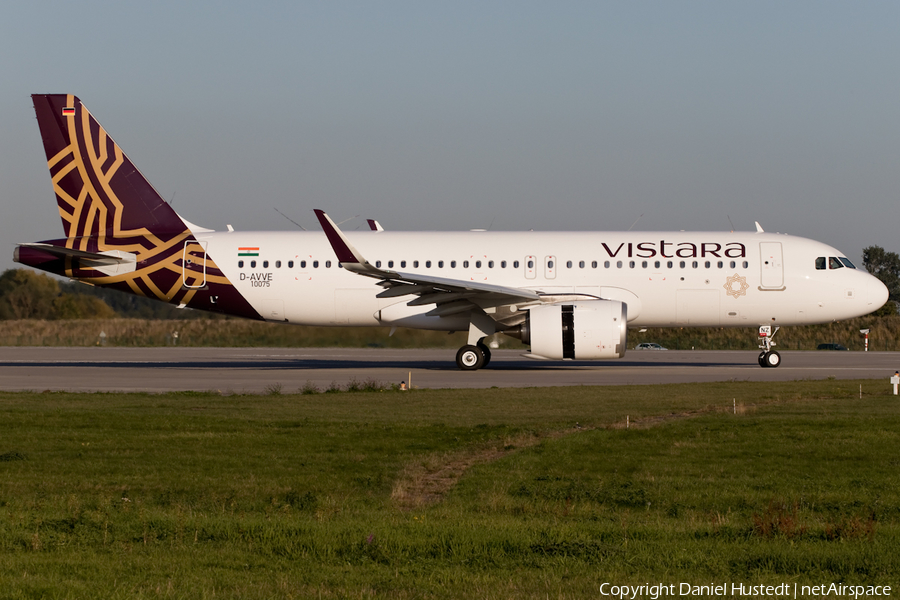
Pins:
x,y
768,357
473,357
476,354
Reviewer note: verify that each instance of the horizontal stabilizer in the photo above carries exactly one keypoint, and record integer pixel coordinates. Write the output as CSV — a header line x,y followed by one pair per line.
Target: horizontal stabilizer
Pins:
x,y
109,262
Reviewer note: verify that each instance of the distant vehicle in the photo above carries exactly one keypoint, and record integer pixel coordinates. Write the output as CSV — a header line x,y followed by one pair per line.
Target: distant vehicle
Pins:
x,y
831,347
649,346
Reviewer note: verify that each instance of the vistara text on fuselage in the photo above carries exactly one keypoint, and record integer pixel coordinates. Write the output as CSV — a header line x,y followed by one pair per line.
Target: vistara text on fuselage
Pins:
x,y
568,295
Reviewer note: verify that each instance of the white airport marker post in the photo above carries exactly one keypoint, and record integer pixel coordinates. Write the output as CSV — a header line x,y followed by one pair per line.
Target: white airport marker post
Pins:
x,y
895,381
865,332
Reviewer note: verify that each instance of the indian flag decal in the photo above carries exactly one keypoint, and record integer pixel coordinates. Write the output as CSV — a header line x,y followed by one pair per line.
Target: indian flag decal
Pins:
x,y
248,251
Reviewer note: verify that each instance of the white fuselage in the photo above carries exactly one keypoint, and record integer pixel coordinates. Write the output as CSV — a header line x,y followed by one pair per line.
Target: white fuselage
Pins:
x,y
667,279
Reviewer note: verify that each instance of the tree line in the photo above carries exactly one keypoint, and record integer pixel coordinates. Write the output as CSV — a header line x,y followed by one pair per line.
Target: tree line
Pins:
x,y
26,294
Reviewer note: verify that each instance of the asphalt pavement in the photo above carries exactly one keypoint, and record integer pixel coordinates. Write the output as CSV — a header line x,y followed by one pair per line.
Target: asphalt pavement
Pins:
x,y
254,370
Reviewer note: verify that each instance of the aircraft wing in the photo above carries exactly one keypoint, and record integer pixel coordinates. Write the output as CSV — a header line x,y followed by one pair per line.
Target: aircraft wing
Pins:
x,y
451,296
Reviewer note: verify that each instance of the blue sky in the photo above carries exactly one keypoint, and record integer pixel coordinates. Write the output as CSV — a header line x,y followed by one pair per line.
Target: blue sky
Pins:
x,y
508,115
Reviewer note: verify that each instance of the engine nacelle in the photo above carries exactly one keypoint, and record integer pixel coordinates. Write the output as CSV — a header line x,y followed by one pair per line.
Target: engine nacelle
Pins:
x,y
582,330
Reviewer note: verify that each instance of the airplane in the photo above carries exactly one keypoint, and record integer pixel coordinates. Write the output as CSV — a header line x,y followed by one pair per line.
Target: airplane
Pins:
x,y
567,295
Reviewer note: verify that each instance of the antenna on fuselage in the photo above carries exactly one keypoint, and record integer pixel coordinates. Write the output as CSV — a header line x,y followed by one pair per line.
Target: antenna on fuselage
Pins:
x,y
635,222
290,219
730,223
348,219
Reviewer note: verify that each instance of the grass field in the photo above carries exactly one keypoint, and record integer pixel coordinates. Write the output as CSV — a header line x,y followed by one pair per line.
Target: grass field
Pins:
x,y
502,493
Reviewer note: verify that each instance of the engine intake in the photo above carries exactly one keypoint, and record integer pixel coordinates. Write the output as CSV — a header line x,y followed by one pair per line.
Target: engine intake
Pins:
x,y
581,330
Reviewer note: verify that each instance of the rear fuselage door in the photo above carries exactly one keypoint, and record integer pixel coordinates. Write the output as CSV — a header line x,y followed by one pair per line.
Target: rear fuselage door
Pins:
x,y
193,265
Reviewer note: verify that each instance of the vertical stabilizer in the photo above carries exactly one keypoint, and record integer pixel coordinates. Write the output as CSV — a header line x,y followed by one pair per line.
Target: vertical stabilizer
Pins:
x,y
99,191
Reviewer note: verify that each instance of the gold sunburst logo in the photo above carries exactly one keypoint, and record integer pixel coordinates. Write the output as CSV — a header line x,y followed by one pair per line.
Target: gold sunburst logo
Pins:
x,y
736,286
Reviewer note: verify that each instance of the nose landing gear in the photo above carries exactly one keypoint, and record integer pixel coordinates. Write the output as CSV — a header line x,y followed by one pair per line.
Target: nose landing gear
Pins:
x,y
768,357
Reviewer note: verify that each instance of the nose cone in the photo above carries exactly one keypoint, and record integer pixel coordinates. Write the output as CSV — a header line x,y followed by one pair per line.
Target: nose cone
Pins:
x,y
877,293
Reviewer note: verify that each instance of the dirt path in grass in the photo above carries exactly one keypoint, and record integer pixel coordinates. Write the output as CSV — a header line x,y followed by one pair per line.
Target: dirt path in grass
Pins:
x,y
429,480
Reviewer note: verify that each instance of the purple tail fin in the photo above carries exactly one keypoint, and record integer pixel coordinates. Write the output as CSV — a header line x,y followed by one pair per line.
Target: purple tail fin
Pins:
x,y
99,191
120,233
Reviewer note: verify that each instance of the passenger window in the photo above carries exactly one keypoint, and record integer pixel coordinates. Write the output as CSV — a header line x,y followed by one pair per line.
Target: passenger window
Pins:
x,y
515,264
252,264
656,264
581,264
378,264
669,264
550,264
402,264
290,264
265,264
315,264
569,264
452,264
706,264
302,264
427,264
605,264
415,264
490,264
630,264
390,264
834,263
618,264
465,264
440,264
695,264
240,264
746,264
530,264
502,264
644,264
477,264
327,264
682,264
594,264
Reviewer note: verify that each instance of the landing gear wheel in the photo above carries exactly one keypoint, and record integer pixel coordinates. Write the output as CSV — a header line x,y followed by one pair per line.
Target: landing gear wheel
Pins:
x,y
470,358
486,352
762,359
773,359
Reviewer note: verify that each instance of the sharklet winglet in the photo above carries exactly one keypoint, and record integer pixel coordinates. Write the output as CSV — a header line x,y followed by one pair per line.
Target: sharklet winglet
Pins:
x,y
349,257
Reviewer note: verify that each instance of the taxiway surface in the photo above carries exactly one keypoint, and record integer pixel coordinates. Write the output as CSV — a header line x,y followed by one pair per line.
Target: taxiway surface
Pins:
x,y
254,370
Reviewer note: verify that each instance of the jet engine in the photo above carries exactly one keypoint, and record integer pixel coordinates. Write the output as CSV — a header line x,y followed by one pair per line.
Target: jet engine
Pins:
x,y
582,330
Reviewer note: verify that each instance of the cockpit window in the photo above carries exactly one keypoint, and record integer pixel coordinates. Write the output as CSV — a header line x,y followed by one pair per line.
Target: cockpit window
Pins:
x,y
834,263
847,263
820,263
